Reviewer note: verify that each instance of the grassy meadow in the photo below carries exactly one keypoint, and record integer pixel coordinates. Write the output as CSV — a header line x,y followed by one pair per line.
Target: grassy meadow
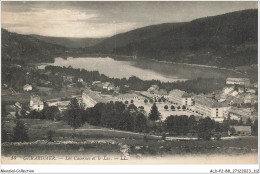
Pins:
x,y
44,92
96,140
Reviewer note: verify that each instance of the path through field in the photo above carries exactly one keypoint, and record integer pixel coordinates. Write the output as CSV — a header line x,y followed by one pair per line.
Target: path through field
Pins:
x,y
135,133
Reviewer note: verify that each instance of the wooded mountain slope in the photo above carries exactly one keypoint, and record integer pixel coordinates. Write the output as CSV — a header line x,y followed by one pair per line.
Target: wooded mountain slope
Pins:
x,y
70,42
224,40
18,48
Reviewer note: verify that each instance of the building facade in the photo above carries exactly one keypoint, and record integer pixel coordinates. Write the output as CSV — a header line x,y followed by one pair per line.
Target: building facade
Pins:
x,y
108,86
126,97
36,103
91,98
180,97
27,87
242,130
207,107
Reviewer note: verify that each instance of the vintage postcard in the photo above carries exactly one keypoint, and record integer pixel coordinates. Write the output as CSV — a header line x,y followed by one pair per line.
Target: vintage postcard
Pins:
x,y
94,82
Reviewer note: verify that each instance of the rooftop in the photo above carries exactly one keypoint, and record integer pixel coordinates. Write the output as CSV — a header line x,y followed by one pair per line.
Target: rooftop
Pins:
x,y
27,85
237,79
95,96
128,95
242,128
36,100
146,94
207,102
179,93
241,111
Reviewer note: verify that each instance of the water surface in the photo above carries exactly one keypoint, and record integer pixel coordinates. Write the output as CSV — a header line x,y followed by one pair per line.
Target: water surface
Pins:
x,y
112,68
144,69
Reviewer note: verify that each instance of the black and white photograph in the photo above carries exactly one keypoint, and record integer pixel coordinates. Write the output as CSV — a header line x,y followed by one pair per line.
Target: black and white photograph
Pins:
x,y
129,82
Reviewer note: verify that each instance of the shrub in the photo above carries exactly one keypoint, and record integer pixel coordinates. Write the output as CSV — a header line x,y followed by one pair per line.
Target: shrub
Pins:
x,y
163,136
4,136
50,134
232,131
145,138
218,136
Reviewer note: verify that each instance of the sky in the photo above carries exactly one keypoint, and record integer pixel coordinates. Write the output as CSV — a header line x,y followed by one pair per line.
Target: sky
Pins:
x,y
104,19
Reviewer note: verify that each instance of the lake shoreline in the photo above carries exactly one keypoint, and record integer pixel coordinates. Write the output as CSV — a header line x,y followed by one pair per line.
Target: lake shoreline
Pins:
x,y
116,68
143,68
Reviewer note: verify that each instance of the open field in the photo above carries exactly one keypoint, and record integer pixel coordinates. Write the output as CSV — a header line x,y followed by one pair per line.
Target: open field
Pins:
x,y
47,94
136,148
225,147
112,139
51,94
21,97
37,130
59,148
5,91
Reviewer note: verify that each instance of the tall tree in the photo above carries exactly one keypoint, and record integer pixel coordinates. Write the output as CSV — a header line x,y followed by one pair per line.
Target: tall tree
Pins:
x,y
73,115
205,128
140,122
4,136
20,132
249,122
255,128
154,114
17,115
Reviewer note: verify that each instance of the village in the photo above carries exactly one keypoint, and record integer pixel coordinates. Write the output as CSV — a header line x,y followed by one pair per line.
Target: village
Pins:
x,y
236,101
159,85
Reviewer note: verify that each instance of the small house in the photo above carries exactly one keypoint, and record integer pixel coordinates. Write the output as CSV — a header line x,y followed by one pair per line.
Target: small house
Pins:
x,y
80,79
36,103
242,130
108,86
27,87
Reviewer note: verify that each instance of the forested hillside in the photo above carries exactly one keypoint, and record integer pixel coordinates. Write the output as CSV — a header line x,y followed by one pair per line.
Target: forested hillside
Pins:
x,y
225,40
70,42
18,48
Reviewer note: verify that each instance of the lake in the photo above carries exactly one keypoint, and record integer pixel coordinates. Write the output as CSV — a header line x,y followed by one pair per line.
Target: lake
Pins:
x,y
144,69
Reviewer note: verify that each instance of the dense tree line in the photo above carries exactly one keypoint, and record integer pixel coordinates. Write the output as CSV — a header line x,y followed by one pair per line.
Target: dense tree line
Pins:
x,y
25,48
205,127
117,116
120,116
13,76
196,86
111,115
48,112
16,77
180,124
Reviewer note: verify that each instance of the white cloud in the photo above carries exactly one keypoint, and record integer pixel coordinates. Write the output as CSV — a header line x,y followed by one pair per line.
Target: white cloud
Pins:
x,y
61,23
